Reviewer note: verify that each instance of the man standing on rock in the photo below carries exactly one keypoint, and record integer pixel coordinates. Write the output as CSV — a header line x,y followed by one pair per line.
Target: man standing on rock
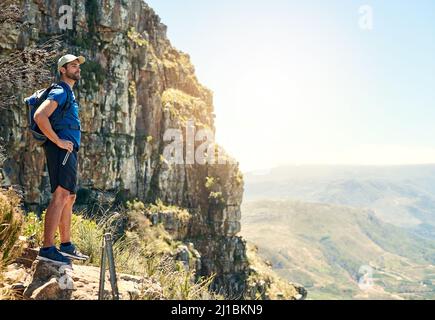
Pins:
x,y
61,152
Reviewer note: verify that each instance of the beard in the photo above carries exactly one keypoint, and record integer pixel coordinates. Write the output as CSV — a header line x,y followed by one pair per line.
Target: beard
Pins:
x,y
73,76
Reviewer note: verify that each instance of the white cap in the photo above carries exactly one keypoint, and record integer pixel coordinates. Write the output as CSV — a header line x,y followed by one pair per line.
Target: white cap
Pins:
x,y
69,58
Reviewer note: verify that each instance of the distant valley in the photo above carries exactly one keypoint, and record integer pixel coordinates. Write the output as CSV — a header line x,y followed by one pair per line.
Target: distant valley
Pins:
x,y
327,227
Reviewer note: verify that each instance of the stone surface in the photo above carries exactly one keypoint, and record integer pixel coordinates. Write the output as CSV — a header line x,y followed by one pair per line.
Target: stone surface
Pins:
x,y
15,274
50,290
48,281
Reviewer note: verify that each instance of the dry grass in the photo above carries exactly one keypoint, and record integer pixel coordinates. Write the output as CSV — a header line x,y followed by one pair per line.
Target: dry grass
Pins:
x,y
10,13
11,219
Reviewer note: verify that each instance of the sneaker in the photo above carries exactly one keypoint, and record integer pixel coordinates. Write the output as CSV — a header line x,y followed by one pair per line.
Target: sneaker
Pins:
x,y
71,252
54,256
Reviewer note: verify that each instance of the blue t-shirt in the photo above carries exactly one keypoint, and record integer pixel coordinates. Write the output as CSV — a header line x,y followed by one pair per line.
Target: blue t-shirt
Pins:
x,y
71,117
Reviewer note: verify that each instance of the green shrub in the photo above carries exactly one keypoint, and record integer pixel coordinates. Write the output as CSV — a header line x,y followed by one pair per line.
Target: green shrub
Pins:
x,y
137,38
210,182
33,229
87,235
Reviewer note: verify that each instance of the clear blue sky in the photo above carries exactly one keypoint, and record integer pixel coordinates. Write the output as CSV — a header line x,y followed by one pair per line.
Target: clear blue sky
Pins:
x,y
300,82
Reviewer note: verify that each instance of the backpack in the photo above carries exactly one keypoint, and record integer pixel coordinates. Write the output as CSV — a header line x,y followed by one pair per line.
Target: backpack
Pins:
x,y
34,102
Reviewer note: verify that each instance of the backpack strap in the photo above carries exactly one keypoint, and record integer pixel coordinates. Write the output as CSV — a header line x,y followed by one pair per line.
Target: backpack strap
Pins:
x,y
67,103
68,126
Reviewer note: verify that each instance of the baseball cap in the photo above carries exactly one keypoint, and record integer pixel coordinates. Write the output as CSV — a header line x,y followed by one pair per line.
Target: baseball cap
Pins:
x,y
69,58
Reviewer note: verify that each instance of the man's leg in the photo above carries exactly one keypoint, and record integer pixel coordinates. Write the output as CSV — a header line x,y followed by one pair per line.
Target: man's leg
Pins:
x,y
65,220
53,215
67,248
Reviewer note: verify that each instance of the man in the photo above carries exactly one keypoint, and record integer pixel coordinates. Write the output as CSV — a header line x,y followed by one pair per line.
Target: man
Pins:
x,y
63,175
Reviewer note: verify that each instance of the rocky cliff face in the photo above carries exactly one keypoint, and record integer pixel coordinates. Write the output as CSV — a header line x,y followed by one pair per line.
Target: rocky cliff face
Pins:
x,y
135,87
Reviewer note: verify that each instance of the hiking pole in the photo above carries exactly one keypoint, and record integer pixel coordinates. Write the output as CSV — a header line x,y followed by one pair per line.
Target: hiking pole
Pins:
x,y
102,271
107,251
112,271
66,158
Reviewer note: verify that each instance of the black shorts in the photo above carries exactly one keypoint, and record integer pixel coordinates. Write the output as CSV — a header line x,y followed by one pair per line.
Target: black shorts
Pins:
x,y
61,175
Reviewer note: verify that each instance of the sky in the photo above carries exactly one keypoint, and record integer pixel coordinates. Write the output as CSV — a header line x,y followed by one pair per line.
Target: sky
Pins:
x,y
314,81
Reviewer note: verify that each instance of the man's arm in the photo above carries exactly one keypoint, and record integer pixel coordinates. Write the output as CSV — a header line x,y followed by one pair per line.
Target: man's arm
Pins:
x,y
41,118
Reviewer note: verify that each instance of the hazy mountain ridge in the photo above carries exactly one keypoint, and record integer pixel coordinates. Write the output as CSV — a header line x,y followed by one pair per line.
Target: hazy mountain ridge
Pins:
x,y
402,195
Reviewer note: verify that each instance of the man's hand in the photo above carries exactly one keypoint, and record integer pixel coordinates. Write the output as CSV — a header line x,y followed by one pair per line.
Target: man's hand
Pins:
x,y
65,144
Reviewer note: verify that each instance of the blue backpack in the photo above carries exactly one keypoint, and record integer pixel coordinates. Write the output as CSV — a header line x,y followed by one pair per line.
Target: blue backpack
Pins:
x,y
34,102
